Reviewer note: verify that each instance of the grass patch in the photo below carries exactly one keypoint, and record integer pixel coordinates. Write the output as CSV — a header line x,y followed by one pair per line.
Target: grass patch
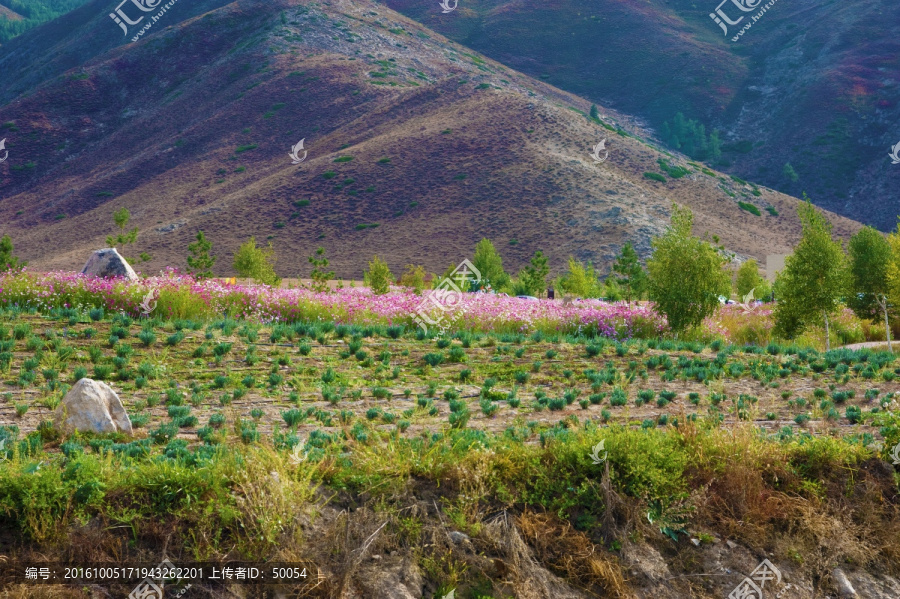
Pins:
x,y
749,208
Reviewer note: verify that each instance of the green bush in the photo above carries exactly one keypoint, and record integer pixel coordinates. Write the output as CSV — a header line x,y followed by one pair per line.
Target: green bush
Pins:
x,y
655,177
256,263
378,277
750,208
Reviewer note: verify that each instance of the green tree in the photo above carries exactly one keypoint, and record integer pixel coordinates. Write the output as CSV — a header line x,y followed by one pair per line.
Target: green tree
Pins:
x,y
7,260
612,291
533,277
594,114
789,172
413,278
631,276
893,268
379,276
490,265
200,262
686,274
870,256
121,217
580,280
748,280
690,137
813,279
320,275
256,263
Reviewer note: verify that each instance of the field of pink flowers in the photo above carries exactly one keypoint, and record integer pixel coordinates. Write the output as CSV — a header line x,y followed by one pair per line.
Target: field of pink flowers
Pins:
x,y
180,296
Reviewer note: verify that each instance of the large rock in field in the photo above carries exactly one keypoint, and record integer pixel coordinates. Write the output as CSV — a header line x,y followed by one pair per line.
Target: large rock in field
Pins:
x,y
108,263
92,406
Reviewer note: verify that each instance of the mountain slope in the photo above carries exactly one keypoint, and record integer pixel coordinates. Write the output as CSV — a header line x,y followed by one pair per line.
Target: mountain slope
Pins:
x,y
18,16
815,85
190,129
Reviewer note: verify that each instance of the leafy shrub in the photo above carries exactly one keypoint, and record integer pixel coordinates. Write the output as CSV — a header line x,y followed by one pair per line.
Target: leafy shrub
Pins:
x,y
433,359
750,208
618,397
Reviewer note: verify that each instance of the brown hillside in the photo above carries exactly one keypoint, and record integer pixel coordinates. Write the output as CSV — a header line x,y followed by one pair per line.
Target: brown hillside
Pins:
x,y
190,128
9,15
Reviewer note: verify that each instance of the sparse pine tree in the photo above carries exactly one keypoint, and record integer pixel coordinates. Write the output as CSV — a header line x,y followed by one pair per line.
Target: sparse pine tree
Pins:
x,y
7,259
789,172
320,276
533,277
200,262
121,217
632,279
379,276
814,277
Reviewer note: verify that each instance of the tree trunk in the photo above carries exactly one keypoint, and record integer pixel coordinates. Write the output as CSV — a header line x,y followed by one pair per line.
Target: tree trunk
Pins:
x,y
887,326
827,334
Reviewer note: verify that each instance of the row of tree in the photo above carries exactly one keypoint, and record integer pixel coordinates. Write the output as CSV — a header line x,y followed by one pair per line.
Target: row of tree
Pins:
x,y
685,276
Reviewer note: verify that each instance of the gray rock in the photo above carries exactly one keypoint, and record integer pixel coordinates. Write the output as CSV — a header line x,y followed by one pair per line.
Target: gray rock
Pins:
x,y
458,537
843,584
92,406
108,263
393,578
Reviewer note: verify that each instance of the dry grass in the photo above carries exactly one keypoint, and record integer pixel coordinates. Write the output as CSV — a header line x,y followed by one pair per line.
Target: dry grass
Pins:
x,y
572,554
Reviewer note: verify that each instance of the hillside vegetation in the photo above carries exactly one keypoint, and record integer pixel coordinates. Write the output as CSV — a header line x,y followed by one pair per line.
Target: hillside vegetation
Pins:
x,y
22,15
417,148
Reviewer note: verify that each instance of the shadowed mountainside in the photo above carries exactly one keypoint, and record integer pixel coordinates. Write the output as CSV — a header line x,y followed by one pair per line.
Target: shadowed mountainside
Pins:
x,y
813,84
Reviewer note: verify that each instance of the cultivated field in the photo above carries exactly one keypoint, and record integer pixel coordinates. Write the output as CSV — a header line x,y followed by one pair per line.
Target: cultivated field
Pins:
x,y
578,452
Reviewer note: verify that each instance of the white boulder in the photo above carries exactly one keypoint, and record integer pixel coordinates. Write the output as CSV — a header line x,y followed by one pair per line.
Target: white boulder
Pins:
x,y
108,263
92,406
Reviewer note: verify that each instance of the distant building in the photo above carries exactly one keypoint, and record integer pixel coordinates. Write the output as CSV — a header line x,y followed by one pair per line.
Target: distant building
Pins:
x,y
774,264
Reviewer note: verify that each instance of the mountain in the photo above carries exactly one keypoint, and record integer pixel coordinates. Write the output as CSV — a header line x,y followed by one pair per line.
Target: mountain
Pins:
x,y
417,147
18,16
815,85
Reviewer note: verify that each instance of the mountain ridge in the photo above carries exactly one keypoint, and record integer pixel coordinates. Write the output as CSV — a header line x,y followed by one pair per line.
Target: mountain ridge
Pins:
x,y
473,150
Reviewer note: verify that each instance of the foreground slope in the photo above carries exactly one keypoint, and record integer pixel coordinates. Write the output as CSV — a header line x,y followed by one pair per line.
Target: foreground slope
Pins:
x,y
190,128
